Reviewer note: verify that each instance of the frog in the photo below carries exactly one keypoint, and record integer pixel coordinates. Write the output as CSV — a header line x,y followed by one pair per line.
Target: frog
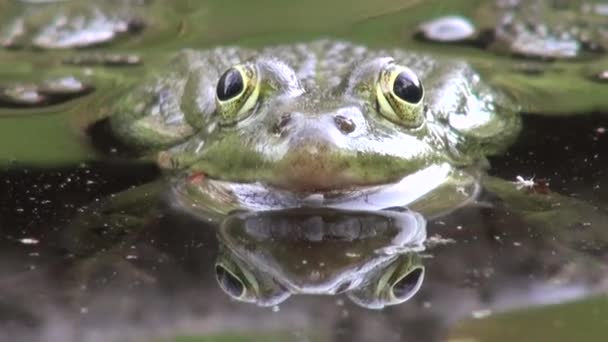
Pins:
x,y
168,118
326,123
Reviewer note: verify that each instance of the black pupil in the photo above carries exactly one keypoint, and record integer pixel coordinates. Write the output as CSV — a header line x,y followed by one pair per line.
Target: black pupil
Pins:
x,y
232,285
229,85
406,285
407,88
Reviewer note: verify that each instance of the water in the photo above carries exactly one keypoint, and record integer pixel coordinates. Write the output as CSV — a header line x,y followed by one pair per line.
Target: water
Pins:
x,y
488,274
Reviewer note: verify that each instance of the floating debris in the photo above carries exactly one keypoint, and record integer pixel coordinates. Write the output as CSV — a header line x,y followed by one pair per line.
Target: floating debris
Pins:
x,y
63,86
438,240
521,182
547,30
46,93
521,40
531,185
447,29
478,314
602,76
29,241
21,96
104,59
71,24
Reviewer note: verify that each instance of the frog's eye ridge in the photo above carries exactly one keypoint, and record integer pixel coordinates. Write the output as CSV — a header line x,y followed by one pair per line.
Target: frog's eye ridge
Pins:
x,y
407,87
230,85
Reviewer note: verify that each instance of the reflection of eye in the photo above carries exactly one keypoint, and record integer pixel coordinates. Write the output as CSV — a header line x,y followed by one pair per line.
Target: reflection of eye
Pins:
x,y
343,287
229,282
237,92
399,93
409,283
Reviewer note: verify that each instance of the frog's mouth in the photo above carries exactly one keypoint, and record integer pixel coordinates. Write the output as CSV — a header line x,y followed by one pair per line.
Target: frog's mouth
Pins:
x,y
199,192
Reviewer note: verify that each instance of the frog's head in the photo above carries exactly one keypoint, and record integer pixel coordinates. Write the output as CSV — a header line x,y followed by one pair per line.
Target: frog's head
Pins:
x,y
366,127
289,123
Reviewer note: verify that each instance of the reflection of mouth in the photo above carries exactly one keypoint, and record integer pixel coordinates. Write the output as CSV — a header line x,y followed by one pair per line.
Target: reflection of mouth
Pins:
x,y
197,190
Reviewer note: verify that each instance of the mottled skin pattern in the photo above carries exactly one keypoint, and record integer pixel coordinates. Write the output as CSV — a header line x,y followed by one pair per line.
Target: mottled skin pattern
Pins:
x,y
317,124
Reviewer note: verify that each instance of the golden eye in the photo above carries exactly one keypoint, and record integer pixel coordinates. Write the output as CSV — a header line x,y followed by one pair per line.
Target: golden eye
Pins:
x,y
400,95
237,92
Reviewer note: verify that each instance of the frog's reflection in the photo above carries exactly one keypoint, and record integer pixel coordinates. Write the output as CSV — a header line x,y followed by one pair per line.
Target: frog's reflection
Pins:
x,y
369,256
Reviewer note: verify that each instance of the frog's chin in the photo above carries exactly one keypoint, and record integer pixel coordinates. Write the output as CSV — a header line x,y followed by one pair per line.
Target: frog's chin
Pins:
x,y
435,189
200,193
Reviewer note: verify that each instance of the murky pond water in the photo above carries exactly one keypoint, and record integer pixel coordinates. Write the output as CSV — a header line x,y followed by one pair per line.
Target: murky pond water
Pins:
x,y
100,241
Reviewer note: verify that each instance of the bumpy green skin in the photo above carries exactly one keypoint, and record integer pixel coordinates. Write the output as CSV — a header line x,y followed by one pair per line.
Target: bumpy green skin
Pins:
x,y
174,112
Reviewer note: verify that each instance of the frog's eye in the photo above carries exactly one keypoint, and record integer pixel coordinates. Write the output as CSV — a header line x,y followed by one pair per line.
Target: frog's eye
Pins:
x,y
237,92
406,286
247,285
400,95
229,282
395,284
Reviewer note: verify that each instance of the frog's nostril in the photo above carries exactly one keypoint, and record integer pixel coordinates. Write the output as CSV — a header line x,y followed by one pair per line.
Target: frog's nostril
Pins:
x,y
280,125
344,124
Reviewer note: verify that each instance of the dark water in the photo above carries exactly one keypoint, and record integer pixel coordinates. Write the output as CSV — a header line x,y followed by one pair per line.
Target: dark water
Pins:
x,y
158,280
67,273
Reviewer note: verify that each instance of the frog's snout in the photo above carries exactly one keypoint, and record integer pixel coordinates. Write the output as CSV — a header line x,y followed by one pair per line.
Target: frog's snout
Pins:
x,y
287,123
296,125
316,146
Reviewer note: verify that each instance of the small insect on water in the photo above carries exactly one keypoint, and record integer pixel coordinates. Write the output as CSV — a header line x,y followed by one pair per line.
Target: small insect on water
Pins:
x,y
530,185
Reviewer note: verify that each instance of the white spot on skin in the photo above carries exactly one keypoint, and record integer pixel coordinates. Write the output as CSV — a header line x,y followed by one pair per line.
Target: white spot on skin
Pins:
x,y
461,190
199,147
211,128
